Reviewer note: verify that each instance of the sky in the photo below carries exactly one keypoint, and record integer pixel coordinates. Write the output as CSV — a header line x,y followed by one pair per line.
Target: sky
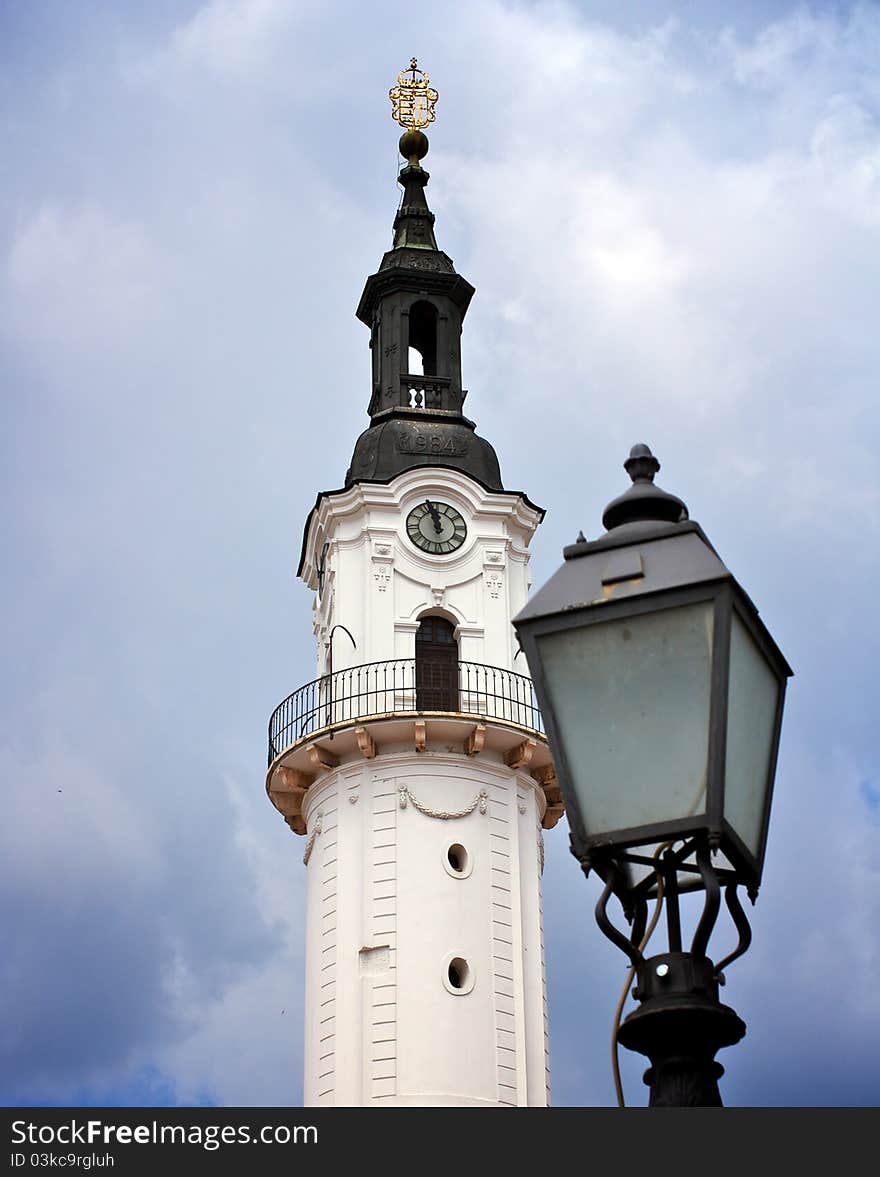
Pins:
x,y
671,214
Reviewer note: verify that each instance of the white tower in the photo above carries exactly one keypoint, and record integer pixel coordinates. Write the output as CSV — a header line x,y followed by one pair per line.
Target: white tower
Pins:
x,y
415,765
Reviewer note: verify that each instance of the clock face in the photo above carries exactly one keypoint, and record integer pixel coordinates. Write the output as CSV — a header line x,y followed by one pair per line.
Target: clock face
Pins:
x,y
436,528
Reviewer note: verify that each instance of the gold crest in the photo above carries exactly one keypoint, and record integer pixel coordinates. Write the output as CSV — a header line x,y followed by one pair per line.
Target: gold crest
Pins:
x,y
413,99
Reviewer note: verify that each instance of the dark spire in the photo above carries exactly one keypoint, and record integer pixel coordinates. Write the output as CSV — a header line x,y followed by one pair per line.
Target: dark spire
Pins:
x,y
414,223
415,305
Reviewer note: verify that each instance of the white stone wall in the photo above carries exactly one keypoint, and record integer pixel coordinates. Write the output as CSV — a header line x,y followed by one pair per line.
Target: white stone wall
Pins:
x,y
378,584
387,914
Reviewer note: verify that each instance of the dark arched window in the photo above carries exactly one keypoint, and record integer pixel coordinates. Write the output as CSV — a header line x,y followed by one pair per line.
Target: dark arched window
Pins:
x,y
436,665
423,334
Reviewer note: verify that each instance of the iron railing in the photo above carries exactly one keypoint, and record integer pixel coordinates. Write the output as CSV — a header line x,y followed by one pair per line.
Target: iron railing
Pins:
x,y
400,686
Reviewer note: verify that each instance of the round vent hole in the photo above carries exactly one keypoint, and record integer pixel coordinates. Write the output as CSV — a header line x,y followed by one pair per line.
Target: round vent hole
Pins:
x,y
459,973
458,858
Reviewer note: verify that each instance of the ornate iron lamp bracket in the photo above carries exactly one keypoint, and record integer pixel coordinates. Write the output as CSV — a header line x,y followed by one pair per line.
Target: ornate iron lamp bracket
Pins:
x,y
680,1023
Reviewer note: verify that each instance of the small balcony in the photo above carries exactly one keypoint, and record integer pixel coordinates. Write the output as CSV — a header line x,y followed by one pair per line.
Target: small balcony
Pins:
x,y
426,703
402,687
385,707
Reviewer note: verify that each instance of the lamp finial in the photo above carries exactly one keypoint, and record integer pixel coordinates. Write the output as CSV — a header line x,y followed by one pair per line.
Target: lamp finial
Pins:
x,y
643,502
641,465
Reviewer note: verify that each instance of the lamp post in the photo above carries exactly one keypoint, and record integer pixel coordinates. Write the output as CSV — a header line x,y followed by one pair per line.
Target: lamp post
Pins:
x,y
662,695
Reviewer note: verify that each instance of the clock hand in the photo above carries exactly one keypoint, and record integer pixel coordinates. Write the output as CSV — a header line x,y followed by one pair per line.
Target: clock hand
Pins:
x,y
435,515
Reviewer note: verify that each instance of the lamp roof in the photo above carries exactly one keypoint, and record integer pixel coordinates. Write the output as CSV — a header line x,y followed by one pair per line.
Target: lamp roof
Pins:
x,y
650,545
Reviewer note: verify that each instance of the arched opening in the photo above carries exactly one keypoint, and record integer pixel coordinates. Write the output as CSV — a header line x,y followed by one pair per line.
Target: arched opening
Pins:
x,y
423,337
436,665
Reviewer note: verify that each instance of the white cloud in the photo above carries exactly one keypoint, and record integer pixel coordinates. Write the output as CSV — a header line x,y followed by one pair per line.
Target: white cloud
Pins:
x,y
697,204
264,1005
78,276
845,146
238,41
234,36
781,52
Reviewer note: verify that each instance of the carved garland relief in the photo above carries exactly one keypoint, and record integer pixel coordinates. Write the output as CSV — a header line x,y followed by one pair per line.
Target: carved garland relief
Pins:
x,y
407,796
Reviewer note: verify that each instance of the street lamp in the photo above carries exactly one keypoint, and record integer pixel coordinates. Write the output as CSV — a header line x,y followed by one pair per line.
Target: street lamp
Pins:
x,y
662,694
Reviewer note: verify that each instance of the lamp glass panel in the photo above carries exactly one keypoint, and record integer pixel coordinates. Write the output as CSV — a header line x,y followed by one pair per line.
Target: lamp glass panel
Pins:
x,y
751,721
631,700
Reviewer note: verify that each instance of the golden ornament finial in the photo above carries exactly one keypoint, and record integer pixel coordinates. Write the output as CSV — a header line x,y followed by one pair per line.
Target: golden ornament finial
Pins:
x,y
413,99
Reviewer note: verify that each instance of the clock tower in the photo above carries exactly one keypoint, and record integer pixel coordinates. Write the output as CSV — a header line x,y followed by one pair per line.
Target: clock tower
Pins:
x,y
414,765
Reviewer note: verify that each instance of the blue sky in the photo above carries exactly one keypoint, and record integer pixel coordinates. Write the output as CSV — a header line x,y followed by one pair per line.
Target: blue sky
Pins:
x,y
672,218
